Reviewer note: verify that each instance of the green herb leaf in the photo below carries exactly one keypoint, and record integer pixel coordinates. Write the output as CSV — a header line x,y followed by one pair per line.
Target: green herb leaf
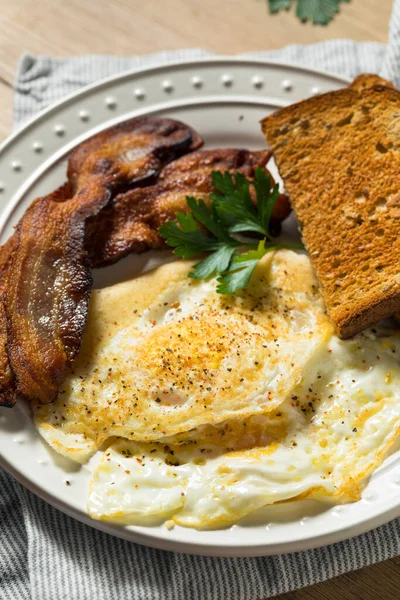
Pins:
x,y
217,262
187,240
230,211
266,198
241,269
234,205
208,217
277,5
319,12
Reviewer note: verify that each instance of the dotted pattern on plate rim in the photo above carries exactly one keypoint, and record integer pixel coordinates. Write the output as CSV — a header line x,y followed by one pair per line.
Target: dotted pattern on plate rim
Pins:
x,y
257,82
37,147
59,130
197,82
16,166
167,86
139,93
227,80
84,115
111,102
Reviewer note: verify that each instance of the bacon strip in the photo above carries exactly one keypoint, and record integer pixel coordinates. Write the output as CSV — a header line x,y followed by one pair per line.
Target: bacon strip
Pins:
x,y
130,223
7,394
46,279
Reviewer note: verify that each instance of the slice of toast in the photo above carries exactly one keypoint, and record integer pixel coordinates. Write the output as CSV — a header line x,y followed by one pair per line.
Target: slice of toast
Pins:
x,y
339,157
367,80
361,83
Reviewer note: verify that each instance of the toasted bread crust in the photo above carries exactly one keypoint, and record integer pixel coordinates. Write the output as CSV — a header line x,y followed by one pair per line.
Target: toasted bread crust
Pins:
x,y
339,156
367,80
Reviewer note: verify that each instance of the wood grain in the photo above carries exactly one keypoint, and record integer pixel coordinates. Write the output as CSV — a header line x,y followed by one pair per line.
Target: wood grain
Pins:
x,y
132,27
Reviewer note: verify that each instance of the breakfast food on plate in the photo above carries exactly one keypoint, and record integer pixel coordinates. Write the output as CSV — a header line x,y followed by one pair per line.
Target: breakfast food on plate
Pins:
x,y
339,157
201,391
367,80
130,153
321,442
312,418
47,282
61,237
7,394
131,222
222,404
163,354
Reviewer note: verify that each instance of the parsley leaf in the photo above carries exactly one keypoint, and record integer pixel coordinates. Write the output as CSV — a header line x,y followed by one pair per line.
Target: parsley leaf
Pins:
x,y
319,12
241,269
266,198
231,211
234,204
217,262
187,240
277,5
208,217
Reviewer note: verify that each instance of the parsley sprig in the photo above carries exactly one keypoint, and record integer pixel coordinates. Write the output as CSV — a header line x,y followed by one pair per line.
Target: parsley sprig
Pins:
x,y
319,12
230,214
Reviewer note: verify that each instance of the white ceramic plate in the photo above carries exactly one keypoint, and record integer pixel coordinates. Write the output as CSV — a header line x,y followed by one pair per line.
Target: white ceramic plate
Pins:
x,y
224,99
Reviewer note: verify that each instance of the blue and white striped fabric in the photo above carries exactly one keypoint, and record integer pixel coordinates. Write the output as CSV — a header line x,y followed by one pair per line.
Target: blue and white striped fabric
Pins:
x,y
45,555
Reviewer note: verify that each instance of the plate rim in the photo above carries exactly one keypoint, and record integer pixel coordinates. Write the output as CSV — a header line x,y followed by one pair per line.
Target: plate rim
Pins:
x,y
245,550
105,81
148,538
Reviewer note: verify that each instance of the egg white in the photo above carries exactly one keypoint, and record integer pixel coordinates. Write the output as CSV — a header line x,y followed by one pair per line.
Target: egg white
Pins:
x,y
164,354
322,442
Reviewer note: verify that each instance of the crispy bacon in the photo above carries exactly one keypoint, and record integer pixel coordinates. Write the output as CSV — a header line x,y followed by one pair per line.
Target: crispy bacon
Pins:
x,y
130,223
7,393
131,153
44,266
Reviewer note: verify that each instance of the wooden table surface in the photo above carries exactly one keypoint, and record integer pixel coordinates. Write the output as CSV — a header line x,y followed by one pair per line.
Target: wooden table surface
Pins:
x,y
131,27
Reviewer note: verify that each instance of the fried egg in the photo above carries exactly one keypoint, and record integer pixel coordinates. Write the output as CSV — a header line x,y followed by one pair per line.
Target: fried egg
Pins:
x,y
164,354
332,430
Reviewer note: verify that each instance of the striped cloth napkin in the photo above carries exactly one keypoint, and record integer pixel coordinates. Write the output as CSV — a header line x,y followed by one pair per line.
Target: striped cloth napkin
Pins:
x,y
45,555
